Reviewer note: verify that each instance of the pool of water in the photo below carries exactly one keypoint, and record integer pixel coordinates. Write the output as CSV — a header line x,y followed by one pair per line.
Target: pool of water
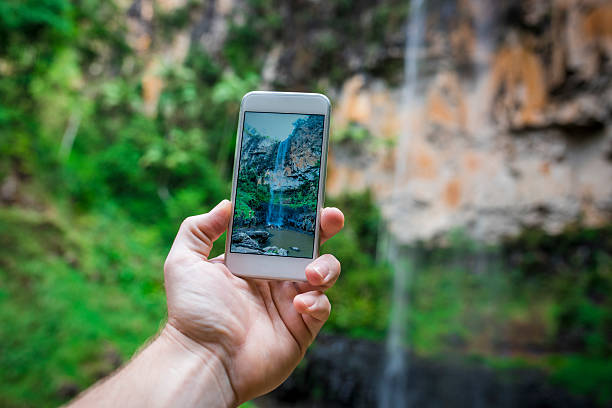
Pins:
x,y
285,238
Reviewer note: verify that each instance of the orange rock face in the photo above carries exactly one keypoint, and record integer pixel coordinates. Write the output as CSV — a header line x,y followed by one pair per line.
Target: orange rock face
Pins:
x,y
452,193
424,165
596,24
518,87
446,104
521,138
152,86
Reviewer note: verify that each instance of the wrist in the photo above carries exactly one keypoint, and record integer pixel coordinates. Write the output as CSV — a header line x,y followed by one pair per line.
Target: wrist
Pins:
x,y
199,368
169,372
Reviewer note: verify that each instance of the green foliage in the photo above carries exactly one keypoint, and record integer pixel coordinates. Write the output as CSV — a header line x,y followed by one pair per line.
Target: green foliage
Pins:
x,y
251,194
232,88
304,196
584,376
362,217
361,297
83,265
354,132
242,207
38,17
583,256
77,299
240,48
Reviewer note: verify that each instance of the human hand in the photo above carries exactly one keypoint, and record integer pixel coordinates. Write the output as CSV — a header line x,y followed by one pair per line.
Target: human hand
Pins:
x,y
258,330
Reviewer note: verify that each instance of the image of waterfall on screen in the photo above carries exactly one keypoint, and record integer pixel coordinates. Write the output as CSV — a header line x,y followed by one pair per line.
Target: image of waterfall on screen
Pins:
x,y
278,184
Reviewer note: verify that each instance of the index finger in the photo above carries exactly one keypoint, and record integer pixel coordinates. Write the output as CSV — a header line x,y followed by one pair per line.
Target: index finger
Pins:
x,y
332,221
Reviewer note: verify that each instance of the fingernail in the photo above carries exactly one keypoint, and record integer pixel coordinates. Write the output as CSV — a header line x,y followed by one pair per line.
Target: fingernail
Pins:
x,y
308,300
321,271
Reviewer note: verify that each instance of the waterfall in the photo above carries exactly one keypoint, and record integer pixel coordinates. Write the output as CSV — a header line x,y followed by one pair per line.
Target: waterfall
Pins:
x,y
275,211
395,377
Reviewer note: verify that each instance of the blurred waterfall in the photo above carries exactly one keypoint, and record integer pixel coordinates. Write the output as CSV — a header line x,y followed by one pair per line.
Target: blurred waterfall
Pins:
x,y
395,377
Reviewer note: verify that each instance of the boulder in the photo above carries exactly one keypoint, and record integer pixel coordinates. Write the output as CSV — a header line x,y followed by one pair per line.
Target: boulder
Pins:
x,y
244,240
260,236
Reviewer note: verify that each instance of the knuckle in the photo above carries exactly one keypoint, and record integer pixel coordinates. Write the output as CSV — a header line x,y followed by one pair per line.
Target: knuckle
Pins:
x,y
327,258
336,263
326,305
333,263
168,265
187,222
171,260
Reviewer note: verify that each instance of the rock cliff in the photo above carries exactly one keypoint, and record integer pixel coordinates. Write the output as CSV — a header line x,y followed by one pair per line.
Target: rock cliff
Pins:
x,y
300,164
509,127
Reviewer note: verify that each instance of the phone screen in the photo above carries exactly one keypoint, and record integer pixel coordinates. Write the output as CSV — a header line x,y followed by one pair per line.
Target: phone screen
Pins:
x,y
278,183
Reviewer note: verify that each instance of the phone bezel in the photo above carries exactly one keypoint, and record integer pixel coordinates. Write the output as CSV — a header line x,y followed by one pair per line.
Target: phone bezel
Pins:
x,y
278,267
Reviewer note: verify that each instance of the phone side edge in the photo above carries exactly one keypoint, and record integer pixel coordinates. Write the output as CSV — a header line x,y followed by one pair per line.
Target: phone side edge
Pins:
x,y
322,175
228,238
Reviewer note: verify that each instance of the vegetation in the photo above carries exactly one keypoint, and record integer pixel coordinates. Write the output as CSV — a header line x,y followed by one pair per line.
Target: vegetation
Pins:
x,y
87,223
361,298
536,301
251,193
77,299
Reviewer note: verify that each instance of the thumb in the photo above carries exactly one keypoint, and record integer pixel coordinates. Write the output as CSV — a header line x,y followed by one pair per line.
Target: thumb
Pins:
x,y
197,233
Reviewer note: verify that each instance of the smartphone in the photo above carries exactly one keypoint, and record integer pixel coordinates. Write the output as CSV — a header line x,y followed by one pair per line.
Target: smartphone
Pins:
x,y
278,184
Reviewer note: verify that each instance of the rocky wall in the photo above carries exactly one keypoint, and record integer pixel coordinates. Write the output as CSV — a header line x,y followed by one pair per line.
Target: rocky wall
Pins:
x,y
509,127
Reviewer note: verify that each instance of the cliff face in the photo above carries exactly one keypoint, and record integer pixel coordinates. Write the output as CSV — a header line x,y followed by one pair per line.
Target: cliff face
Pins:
x,y
292,169
510,125
258,153
305,145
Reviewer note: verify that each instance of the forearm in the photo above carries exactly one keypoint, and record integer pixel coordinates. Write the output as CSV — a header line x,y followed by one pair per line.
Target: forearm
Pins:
x,y
169,372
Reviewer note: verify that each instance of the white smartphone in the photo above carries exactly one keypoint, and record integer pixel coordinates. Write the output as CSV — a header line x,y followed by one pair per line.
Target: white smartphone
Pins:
x,y
278,184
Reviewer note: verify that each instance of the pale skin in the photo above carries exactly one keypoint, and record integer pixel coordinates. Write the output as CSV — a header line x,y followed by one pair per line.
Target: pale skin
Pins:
x,y
227,339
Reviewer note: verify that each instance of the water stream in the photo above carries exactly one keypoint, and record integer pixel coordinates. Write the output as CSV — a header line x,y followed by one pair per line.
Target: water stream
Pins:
x,y
395,377
276,212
